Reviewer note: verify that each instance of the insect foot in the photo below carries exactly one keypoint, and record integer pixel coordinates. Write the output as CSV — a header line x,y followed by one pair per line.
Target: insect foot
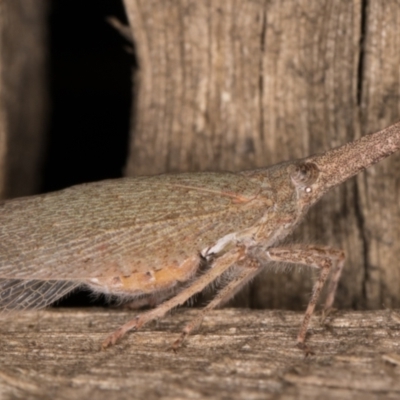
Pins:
x,y
112,339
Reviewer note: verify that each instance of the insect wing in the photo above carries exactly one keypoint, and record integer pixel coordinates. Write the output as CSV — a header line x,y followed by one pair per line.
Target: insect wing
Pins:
x,y
20,294
122,226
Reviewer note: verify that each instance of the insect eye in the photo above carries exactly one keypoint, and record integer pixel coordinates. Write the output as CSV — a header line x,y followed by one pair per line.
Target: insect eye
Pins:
x,y
305,174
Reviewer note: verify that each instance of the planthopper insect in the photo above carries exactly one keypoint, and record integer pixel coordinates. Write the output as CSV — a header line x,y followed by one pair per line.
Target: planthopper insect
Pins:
x,y
162,239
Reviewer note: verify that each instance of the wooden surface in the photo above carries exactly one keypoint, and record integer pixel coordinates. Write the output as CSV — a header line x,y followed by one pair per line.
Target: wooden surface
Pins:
x,y
237,354
378,196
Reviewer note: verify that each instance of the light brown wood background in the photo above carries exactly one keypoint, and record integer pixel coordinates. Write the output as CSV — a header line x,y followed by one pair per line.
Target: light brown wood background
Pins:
x,y
231,85
23,95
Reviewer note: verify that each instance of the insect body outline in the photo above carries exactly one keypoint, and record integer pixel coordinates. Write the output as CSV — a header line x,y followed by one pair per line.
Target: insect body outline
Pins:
x,y
148,237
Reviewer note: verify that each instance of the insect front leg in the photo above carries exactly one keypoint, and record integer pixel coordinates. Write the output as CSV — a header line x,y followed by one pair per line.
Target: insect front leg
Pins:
x,y
321,258
220,265
244,271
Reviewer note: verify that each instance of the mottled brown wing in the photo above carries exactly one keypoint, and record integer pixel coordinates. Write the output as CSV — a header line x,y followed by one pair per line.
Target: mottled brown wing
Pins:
x,y
121,226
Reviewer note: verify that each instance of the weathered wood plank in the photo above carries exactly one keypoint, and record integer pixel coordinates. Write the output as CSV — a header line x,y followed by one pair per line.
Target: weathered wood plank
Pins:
x,y
236,354
379,188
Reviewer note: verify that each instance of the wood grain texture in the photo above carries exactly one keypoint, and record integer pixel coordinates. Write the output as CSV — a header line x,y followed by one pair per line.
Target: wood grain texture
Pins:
x,y
228,85
379,189
198,95
23,94
309,105
236,354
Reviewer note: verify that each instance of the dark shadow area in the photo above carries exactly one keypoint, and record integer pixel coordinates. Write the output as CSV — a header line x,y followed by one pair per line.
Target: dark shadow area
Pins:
x,y
90,83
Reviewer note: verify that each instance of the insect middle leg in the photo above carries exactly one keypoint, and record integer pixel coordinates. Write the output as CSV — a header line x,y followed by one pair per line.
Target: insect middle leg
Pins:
x,y
220,265
244,272
321,258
